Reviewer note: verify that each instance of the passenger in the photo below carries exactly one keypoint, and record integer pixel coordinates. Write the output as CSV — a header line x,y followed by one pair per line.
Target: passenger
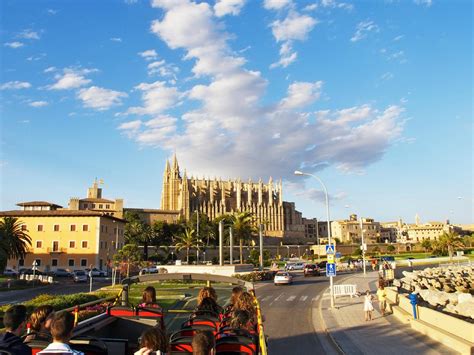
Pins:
x,y
206,292
40,324
241,320
204,343
209,305
153,340
245,302
61,330
149,298
14,321
236,292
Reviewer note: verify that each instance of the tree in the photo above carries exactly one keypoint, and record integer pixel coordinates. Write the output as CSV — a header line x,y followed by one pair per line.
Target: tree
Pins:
x,y
14,242
390,248
448,241
186,241
426,244
243,227
129,254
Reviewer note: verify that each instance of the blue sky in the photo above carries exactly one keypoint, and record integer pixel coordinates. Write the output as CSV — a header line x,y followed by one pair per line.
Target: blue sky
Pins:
x,y
375,97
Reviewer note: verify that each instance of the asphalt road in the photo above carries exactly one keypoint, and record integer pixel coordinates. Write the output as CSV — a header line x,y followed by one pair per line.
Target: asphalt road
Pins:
x,y
64,286
292,316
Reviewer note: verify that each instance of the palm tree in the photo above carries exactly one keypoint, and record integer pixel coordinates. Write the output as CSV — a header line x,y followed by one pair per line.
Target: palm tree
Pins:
x,y
186,241
450,241
426,244
243,228
14,242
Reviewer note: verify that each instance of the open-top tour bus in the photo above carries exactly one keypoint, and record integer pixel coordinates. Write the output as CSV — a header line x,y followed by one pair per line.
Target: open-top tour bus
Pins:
x,y
117,330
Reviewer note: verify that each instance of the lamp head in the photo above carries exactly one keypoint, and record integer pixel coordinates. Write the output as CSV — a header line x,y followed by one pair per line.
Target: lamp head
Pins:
x,y
297,172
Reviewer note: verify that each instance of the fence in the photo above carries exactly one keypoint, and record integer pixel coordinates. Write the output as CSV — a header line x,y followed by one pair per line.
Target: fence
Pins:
x,y
345,290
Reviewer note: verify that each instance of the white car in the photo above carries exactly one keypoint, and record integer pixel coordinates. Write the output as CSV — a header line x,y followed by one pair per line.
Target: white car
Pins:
x,y
283,278
10,272
96,272
295,266
79,276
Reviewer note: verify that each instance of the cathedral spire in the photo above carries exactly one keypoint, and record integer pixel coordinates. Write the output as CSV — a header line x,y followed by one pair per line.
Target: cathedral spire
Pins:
x,y
167,167
175,163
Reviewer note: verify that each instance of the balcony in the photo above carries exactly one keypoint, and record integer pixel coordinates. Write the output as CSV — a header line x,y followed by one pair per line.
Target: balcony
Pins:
x,y
56,250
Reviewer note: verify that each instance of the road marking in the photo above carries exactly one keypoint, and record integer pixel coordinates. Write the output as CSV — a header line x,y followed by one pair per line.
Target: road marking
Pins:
x,y
264,299
279,296
303,298
291,298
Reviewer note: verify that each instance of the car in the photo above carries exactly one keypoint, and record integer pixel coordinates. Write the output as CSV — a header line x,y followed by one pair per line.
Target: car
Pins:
x,y
295,266
311,270
283,278
149,270
79,276
30,272
62,272
10,272
322,264
95,272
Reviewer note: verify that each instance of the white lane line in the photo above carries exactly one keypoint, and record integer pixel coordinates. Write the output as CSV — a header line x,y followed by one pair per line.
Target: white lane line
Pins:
x,y
291,298
276,299
264,299
303,298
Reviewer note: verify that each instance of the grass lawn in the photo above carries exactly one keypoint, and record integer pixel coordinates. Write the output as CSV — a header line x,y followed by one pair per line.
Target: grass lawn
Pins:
x,y
412,255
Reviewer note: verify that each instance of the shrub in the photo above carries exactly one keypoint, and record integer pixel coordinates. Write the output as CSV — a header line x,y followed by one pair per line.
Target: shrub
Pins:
x,y
256,276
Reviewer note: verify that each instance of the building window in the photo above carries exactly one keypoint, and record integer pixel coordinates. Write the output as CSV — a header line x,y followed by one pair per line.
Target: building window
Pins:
x,y
86,205
39,244
37,262
107,206
70,262
101,245
83,262
73,228
100,206
72,244
93,205
84,244
40,227
105,245
24,227
55,245
54,262
56,227
85,227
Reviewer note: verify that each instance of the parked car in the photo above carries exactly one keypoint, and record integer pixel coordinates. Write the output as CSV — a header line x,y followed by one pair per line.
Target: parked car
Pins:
x,y
79,276
62,273
10,272
96,272
295,266
30,272
283,278
149,270
311,270
322,264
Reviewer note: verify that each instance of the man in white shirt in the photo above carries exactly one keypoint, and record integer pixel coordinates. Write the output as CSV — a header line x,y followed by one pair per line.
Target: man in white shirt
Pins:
x,y
61,330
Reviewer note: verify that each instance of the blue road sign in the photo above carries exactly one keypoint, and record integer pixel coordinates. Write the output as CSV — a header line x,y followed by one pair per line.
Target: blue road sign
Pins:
x,y
329,249
338,255
330,270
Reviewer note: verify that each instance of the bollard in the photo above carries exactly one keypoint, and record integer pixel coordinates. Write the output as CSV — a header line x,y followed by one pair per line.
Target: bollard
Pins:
x,y
414,301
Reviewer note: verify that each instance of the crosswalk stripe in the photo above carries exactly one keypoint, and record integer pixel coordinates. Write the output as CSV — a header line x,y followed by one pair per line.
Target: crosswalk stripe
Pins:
x,y
264,299
291,298
303,298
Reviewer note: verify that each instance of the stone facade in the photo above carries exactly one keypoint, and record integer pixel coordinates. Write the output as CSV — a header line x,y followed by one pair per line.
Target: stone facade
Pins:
x,y
350,230
215,197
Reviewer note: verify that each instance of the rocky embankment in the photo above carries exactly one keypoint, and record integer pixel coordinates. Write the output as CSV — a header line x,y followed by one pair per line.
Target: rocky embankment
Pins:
x,y
449,289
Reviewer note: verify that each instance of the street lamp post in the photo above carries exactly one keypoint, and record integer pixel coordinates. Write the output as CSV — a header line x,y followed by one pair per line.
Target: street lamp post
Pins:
x,y
363,245
331,281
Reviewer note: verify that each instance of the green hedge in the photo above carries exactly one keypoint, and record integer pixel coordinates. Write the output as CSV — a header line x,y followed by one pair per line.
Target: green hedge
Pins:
x,y
256,276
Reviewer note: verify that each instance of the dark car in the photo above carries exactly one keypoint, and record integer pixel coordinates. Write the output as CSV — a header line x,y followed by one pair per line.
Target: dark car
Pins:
x,y
30,272
62,273
322,264
311,270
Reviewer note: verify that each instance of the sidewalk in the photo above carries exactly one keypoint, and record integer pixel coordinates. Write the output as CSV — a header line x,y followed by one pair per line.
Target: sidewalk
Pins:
x,y
383,335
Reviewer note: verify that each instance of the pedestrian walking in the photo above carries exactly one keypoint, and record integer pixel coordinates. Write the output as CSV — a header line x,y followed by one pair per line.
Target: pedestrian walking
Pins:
x,y
382,297
368,306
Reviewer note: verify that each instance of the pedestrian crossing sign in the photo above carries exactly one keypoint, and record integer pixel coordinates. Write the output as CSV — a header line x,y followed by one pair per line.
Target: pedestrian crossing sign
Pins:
x,y
329,249
330,270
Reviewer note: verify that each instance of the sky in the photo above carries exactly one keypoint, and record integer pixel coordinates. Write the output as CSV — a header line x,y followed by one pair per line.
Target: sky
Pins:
x,y
374,97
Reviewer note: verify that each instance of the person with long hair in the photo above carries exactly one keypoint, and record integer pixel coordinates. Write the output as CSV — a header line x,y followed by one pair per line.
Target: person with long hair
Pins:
x,y
245,302
207,301
236,292
153,340
40,323
149,298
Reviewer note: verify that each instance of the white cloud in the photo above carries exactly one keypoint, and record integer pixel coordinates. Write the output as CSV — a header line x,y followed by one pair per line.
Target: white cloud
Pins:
x,y
52,11
15,85
99,98
228,7
426,3
293,27
38,104
161,68
70,79
363,29
116,39
149,54
49,70
28,34
14,44
334,4
157,97
276,4
387,76
36,58
301,94
228,114
398,38
310,7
